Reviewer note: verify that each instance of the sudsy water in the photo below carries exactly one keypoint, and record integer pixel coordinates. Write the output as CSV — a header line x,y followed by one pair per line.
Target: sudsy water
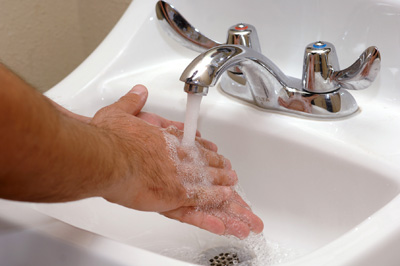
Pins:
x,y
255,250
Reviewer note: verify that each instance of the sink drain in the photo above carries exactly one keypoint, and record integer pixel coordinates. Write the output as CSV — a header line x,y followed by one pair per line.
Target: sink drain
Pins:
x,y
224,259
226,256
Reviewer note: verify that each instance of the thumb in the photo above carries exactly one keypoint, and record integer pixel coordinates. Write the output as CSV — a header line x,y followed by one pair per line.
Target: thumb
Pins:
x,y
133,101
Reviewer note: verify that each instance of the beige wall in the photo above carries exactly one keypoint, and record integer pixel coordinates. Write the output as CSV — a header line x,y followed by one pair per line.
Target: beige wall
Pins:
x,y
44,40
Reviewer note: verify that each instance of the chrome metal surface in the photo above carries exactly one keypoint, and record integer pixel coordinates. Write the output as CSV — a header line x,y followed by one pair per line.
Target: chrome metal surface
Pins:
x,y
244,34
181,30
320,63
227,255
206,69
196,89
248,75
321,72
266,85
363,72
224,259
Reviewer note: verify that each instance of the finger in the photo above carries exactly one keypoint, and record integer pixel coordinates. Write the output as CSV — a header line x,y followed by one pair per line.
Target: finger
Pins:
x,y
233,225
175,131
238,221
282,102
197,218
133,101
219,221
246,216
239,200
216,160
222,177
166,123
159,121
207,196
237,228
207,144
198,173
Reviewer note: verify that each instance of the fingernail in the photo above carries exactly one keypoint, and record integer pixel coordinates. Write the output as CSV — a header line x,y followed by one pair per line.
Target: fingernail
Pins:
x,y
214,147
139,90
227,164
257,225
233,176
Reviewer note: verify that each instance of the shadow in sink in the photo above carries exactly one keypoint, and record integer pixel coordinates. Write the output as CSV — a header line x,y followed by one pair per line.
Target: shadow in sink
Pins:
x,y
21,246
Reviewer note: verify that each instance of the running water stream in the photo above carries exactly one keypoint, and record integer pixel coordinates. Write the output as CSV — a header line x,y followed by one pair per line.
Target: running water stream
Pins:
x,y
191,117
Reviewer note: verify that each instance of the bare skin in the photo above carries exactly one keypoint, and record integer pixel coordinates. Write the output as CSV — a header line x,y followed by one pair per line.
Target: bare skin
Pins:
x,y
52,155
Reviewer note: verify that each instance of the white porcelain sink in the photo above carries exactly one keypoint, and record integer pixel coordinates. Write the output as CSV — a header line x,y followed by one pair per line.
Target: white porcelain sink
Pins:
x,y
327,190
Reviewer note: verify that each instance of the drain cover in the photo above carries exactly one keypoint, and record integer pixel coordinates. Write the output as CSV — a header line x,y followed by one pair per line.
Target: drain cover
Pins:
x,y
224,259
226,256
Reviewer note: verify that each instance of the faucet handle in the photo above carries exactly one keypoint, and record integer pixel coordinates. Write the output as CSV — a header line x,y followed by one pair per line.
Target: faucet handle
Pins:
x,y
244,34
321,72
181,30
362,72
184,33
320,64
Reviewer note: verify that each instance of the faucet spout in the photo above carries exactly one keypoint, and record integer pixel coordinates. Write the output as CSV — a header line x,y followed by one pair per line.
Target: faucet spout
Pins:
x,y
207,68
196,89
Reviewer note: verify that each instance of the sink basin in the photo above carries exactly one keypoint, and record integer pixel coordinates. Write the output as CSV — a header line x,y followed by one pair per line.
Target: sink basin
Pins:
x,y
302,186
327,190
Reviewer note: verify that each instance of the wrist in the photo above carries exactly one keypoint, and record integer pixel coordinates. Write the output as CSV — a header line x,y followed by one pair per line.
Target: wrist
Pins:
x,y
94,159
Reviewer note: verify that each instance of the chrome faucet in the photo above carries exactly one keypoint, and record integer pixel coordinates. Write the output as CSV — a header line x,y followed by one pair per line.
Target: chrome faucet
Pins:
x,y
246,74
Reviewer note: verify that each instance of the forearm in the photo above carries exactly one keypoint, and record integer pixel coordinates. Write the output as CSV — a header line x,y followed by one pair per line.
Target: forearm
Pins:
x,y
47,156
